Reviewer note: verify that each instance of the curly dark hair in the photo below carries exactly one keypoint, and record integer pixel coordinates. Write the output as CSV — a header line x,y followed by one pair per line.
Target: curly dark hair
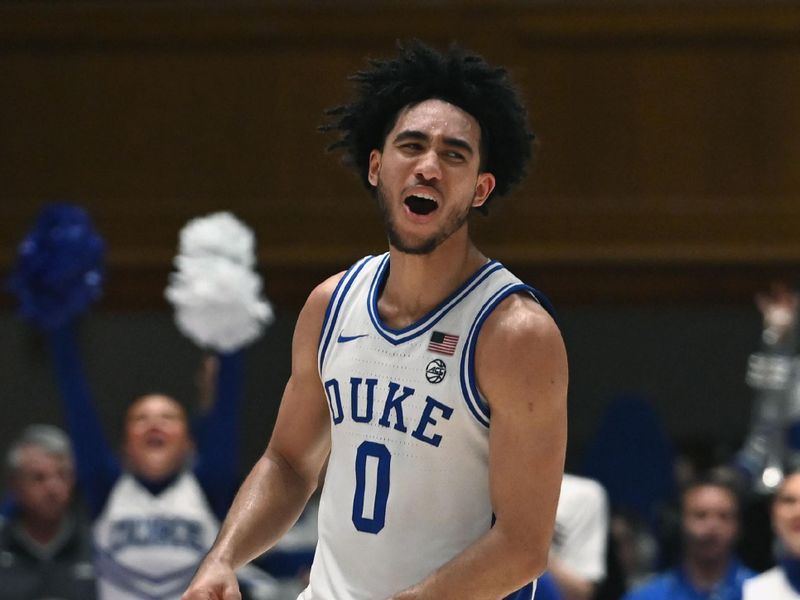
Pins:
x,y
419,73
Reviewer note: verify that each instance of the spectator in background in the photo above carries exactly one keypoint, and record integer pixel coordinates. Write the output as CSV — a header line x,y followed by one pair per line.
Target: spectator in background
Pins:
x,y
45,551
774,374
782,582
773,440
578,552
709,569
156,508
152,517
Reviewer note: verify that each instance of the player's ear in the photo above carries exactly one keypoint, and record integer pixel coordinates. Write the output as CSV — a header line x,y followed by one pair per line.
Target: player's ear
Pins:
x,y
374,167
483,188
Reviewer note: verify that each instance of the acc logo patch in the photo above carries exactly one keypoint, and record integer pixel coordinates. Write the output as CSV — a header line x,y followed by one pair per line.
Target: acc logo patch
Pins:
x,y
436,370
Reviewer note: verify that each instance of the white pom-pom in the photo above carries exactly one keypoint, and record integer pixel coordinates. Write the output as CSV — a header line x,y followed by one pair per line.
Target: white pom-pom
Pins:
x,y
216,294
218,234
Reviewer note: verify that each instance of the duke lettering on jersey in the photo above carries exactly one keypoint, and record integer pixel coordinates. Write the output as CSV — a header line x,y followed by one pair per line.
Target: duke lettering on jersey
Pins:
x,y
362,408
157,531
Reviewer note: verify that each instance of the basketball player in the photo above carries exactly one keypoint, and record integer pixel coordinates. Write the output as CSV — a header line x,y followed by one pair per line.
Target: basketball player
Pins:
x,y
431,380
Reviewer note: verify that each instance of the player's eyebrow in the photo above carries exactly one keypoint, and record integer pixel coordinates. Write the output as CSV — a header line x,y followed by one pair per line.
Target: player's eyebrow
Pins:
x,y
413,134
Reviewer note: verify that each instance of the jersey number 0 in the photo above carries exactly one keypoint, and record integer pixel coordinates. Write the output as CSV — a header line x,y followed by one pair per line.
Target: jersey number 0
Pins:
x,y
372,465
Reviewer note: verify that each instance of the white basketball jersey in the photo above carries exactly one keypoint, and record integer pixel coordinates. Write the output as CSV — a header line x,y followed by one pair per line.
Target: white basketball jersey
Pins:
x,y
770,585
407,485
149,546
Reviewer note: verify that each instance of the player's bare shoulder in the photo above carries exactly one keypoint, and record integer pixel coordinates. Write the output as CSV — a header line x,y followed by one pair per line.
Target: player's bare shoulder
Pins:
x,y
309,323
320,297
520,345
518,320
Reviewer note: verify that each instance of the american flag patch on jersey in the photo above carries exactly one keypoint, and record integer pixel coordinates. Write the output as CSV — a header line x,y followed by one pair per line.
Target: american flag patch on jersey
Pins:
x,y
443,343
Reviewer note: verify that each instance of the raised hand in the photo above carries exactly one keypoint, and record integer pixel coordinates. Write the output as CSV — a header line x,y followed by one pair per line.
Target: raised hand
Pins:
x,y
779,308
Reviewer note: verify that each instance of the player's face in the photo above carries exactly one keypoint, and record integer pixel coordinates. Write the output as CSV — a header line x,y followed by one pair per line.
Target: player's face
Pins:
x,y
786,514
157,440
427,175
710,523
43,484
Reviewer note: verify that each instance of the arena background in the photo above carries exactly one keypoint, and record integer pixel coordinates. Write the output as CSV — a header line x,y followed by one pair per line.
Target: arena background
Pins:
x,y
665,192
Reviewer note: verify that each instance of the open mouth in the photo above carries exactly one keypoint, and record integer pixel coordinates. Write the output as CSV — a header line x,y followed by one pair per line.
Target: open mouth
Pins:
x,y
421,205
155,440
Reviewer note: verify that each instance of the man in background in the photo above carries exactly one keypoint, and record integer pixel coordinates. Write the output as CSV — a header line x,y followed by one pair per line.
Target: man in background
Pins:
x,y
45,551
709,568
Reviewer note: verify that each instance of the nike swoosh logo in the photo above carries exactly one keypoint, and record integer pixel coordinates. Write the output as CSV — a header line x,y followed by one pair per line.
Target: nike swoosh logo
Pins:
x,y
349,338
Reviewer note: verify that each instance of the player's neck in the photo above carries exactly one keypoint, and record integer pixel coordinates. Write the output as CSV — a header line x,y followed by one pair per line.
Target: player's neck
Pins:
x,y
416,284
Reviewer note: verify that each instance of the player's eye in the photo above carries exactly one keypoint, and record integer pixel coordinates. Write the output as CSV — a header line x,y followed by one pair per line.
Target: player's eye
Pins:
x,y
452,154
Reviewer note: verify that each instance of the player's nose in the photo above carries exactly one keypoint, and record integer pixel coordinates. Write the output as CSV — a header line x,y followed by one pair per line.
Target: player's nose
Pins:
x,y
428,166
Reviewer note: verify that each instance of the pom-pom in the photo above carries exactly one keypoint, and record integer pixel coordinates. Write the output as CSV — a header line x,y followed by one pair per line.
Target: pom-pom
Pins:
x,y
219,235
216,294
60,269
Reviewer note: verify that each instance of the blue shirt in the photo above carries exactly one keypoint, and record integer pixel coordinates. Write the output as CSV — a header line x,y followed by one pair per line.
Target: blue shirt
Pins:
x,y
675,585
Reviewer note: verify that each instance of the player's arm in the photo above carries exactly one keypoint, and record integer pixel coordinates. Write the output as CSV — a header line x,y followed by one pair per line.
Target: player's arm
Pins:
x,y
521,368
274,493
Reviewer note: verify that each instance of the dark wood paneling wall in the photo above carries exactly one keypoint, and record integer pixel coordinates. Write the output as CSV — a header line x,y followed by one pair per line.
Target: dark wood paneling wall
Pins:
x,y
668,161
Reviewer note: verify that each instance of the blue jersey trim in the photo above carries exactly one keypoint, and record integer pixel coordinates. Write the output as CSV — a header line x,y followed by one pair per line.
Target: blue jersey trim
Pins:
x,y
469,387
331,313
399,336
525,593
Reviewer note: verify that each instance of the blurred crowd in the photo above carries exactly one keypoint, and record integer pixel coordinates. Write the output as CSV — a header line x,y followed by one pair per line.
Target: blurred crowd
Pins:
x,y
706,524
80,521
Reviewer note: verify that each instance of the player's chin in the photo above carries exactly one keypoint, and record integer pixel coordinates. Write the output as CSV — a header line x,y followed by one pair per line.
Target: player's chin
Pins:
x,y
413,247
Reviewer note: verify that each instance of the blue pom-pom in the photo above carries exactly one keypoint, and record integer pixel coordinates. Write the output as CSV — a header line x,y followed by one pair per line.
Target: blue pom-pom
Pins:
x,y
60,268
